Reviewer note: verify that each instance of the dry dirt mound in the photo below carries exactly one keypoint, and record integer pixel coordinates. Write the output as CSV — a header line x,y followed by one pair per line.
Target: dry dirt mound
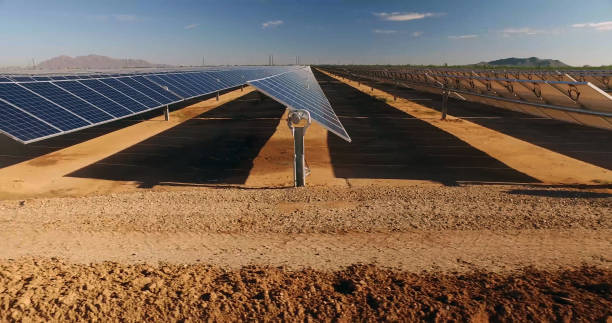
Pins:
x,y
52,290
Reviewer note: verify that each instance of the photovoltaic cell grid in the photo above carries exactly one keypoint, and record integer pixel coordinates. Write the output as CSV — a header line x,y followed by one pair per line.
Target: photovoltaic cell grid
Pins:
x,y
298,89
38,107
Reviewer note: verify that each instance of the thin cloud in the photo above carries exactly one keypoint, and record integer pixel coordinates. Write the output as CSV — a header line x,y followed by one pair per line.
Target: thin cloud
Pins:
x,y
417,34
384,31
405,16
526,31
192,26
601,26
272,24
126,18
463,37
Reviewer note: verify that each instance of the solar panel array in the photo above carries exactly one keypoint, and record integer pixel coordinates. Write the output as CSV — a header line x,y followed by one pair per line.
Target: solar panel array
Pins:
x,y
38,107
298,89
547,94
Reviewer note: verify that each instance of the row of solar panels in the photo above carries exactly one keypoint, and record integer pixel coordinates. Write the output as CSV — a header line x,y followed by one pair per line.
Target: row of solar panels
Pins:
x,y
35,109
572,101
79,76
601,79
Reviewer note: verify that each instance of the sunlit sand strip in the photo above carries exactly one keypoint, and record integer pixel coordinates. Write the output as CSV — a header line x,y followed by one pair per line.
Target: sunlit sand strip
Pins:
x,y
44,175
411,251
545,165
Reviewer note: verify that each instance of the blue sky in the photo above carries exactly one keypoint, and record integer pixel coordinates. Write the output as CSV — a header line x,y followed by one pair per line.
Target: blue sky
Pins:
x,y
332,31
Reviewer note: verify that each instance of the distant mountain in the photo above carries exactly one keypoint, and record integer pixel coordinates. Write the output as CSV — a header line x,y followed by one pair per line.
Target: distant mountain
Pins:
x,y
93,62
525,62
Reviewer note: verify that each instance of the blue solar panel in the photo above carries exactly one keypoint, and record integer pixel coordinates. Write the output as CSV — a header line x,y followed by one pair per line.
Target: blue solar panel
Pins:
x,y
21,125
58,77
212,83
69,101
202,85
4,79
115,95
299,90
41,78
163,92
22,78
189,88
133,94
145,90
162,81
94,98
40,107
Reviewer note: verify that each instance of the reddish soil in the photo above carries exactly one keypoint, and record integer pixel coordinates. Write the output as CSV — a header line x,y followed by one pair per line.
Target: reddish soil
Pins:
x,y
52,290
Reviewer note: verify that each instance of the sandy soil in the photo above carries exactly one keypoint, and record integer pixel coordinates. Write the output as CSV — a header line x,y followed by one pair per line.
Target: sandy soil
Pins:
x,y
53,290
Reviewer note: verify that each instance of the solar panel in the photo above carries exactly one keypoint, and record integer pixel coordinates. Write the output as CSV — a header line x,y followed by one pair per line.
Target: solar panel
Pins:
x,y
43,109
131,93
22,78
169,95
69,101
94,98
4,79
164,81
299,90
23,126
115,95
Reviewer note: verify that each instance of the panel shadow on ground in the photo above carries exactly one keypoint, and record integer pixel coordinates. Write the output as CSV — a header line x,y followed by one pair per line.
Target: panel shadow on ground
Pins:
x,y
584,143
390,144
217,147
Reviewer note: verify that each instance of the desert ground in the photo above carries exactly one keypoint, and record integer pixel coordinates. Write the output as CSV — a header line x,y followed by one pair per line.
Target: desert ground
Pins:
x,y
490,215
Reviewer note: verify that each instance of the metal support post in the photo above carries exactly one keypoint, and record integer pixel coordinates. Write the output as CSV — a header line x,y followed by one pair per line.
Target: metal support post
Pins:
x,y
444,103
167,113
217,96
299,167
242,88
300,171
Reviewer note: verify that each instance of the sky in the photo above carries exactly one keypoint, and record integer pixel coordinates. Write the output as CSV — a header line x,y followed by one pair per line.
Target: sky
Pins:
x,y
183,32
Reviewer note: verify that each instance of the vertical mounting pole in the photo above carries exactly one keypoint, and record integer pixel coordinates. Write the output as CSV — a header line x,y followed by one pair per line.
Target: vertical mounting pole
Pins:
x,y
444,103
242,88
167,113
300,171
299,165
217,95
